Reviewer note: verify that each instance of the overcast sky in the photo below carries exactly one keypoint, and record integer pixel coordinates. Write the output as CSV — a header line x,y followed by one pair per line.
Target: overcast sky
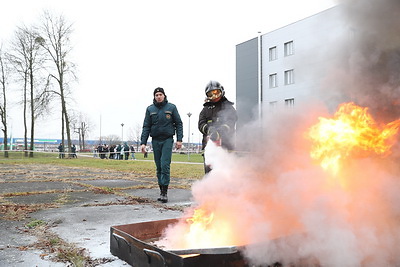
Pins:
x,y
125,49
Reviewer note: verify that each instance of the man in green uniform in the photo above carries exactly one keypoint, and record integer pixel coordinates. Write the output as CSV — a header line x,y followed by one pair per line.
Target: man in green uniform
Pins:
x,y
161,122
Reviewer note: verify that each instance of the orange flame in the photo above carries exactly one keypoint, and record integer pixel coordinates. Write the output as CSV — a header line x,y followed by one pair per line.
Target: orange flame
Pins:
x,y
200,220
206,231
351,131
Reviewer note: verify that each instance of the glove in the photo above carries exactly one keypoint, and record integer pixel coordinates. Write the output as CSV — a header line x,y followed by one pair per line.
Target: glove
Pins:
x,y
213,133
224,129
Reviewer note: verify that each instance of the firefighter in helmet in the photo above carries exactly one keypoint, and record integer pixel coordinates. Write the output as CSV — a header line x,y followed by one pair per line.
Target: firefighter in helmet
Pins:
x,y
217,119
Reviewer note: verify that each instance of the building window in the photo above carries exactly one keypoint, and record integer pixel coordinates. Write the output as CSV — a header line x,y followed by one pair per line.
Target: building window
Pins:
x,y
289,48
289,77
272,54
289,102
273,80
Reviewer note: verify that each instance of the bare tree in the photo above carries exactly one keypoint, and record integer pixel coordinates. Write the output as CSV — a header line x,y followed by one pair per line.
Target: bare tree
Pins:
x,y
81,125
56,32
111,139
4,74
28,59
135,134
86,126
21,68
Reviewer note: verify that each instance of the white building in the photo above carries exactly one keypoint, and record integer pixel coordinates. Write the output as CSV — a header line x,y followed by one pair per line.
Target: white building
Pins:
x,y
287,66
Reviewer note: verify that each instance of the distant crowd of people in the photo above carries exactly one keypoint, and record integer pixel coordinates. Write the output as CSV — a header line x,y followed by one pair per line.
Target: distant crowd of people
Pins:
x,y
61,151
120,151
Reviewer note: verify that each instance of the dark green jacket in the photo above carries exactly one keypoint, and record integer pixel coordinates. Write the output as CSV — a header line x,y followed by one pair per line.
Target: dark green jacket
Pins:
x,y
161,121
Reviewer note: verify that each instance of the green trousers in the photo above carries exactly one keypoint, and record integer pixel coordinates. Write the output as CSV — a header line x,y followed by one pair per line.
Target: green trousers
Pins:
x,y
162,157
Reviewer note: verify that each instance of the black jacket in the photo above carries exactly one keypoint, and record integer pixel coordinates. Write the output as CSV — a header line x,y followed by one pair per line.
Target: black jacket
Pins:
x,y
218,117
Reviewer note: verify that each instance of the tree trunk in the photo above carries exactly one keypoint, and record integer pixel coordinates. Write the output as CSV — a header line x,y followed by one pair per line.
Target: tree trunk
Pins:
x,y
62,128
83,135
65,119
25,121
4,121
68,132
5,142
80,138
32,117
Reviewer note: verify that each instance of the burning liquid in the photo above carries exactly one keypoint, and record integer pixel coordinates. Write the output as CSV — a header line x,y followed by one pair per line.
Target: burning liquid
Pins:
x,y
202,230
351,131
200,227
256,200
200,220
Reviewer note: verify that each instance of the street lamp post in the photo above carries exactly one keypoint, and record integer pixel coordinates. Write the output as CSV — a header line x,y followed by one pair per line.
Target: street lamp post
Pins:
x,y
122,135
189,114
100,129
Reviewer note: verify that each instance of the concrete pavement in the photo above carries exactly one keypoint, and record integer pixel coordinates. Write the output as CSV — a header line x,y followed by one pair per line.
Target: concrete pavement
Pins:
x,y
77,206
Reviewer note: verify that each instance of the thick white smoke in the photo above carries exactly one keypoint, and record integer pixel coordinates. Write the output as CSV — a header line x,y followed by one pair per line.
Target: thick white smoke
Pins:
x,y
285,208
278,192
368,67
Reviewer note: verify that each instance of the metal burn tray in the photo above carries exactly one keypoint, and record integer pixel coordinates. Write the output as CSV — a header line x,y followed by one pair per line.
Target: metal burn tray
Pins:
x,y
129,242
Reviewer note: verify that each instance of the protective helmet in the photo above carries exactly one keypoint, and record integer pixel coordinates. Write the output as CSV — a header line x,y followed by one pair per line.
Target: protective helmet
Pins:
x,y
211,86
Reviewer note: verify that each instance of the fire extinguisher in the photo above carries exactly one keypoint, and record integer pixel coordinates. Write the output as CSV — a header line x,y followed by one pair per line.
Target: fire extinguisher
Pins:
x,y
214,136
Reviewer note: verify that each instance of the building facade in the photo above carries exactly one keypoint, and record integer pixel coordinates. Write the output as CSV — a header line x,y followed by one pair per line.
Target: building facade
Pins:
x,y
286,67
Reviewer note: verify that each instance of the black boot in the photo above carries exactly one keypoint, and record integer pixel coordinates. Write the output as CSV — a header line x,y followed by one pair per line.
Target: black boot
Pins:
x,y
161,193
164,198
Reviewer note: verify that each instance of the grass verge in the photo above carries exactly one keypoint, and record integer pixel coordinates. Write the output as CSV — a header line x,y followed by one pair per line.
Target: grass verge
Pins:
x,y
183,165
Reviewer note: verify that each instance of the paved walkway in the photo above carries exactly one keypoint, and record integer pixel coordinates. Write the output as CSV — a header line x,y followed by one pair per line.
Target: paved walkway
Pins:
x,y
75,208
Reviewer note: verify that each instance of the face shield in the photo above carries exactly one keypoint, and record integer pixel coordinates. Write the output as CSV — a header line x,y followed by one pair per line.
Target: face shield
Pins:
x,y
214,95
